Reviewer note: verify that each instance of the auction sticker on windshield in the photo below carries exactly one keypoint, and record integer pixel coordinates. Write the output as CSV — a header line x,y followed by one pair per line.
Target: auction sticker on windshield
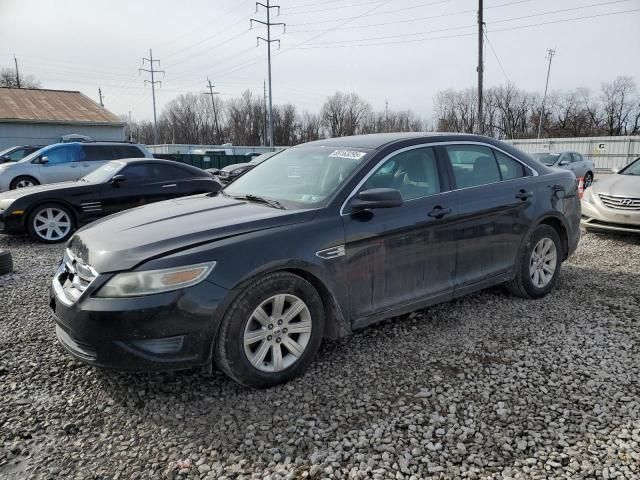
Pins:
x,y
350,154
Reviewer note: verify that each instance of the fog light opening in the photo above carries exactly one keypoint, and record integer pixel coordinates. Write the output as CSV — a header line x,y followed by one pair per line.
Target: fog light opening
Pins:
x,y
161,345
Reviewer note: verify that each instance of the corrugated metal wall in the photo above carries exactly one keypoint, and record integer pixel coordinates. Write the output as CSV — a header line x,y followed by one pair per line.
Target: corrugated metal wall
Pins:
x,y
604,152
46,133
183,148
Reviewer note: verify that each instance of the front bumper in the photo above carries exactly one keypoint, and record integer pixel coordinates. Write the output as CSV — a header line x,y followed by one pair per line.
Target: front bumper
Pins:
x,y
596,216
12,224
167,331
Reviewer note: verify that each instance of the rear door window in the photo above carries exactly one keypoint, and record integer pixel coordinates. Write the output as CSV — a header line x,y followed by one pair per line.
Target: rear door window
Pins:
x,y
98,153
473,165
127,151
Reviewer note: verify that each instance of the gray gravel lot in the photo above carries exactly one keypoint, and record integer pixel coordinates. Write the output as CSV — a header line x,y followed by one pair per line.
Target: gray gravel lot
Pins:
x,y
489,386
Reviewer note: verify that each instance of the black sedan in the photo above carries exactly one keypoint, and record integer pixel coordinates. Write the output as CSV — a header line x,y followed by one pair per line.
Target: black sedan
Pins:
x,y
229,173
318,241
51,213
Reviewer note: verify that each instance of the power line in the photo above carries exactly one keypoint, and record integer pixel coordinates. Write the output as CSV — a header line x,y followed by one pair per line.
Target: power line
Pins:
x,y
486,36
504,20
409,20
353,5
519,27
153,82
269,41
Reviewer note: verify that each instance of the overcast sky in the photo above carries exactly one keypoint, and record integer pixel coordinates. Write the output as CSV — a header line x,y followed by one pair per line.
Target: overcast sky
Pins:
x,y
403,51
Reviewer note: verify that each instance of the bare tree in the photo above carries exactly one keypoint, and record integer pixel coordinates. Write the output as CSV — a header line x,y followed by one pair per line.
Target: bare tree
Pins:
x,y
343,114
618,101
8,79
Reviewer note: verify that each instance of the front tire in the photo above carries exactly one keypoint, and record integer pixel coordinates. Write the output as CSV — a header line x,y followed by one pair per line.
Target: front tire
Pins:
x,y
538,265
51,223
271,332
23,181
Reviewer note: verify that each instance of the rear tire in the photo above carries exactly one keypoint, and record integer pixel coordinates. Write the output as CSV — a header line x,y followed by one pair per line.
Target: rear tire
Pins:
x,y
23,182
258,345
588,179
51,223
538,265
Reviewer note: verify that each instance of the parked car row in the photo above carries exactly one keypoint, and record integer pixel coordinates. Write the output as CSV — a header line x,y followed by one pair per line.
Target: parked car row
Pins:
x,y
63,162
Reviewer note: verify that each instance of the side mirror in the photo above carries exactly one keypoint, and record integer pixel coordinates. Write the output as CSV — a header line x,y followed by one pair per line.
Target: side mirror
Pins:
x,y
117,179
43,160
615,169
377,198
564,162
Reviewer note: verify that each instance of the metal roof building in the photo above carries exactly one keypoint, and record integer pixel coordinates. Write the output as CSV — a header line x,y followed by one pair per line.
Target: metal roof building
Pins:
x,y
40,117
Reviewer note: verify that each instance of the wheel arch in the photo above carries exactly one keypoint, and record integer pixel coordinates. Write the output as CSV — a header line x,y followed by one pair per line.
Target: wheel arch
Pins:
x,y
336,324
558,225
24,175
29,210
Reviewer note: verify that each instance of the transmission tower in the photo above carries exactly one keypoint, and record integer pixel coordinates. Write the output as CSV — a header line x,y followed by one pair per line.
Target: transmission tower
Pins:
x,y
153,82
268,41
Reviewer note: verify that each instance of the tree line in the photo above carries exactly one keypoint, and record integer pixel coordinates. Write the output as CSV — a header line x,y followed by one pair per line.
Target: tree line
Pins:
x,y
509,112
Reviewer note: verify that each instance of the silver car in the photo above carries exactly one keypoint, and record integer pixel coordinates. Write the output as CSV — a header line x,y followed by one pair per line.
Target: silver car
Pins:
x,y
64,161
613,204
573,161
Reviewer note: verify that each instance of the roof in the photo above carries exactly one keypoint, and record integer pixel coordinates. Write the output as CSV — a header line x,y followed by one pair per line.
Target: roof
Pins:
x,y
375,141
52,106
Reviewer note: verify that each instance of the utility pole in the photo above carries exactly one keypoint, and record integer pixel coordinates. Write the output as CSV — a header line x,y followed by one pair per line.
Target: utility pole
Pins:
x,y
264,98
550,53
268,41
130,132
17,71
213,105
153,82
100,95
386,115
480,66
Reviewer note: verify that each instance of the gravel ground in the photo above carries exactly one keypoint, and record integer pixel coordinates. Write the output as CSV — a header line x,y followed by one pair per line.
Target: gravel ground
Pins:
x,y
488,386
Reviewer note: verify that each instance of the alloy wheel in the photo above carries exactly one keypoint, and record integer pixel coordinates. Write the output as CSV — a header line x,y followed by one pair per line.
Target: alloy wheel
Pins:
x,y
542,264
24,183
52,224
277,333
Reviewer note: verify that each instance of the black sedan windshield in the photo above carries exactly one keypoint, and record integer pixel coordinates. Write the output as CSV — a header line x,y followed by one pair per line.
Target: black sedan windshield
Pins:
x,y
548,159
299,177
103,173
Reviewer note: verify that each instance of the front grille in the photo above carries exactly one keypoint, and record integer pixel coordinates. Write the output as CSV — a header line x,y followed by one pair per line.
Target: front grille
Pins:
x,y
620,203
75,277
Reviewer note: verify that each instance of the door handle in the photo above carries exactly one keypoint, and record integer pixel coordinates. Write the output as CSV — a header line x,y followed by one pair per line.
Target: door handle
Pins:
x,y
169,186
524,195
439,212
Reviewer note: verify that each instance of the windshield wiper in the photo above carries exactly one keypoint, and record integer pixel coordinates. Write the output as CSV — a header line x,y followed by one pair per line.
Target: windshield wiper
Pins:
x,y
255,198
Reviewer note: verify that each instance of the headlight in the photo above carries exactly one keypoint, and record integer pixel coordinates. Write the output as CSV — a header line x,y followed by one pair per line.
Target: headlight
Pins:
x,y
6,203
134,284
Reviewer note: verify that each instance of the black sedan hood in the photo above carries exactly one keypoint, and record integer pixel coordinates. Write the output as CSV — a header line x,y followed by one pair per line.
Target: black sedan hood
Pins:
x,y
51,187
124,240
